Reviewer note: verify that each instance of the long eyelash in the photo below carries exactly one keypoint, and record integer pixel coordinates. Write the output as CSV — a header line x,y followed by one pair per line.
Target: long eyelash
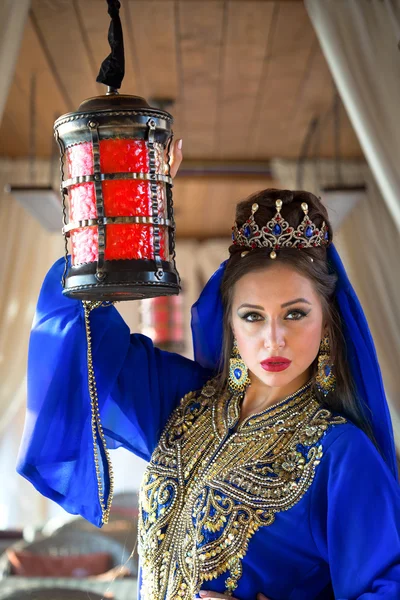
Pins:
x,y
297,310
244,317
302,314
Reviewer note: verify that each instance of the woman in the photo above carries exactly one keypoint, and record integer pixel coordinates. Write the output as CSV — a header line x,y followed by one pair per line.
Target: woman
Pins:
x,y
272,471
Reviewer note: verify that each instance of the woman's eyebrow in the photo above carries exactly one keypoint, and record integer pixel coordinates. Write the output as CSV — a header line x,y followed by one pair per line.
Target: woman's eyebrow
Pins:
x,y
282,305
295,302
251,306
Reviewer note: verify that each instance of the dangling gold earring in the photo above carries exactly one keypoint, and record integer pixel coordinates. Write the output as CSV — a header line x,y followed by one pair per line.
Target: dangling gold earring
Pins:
x,y
238,379
325,378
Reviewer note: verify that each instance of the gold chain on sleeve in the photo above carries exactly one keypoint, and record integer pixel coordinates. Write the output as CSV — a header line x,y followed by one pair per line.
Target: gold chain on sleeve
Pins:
x,y
97,429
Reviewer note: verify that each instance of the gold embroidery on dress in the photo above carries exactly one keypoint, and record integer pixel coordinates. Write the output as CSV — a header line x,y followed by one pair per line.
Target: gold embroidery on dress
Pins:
x,y
207,490
233,410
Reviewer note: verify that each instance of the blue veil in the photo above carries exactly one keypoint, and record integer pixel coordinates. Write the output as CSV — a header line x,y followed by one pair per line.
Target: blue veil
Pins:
x,y
207,315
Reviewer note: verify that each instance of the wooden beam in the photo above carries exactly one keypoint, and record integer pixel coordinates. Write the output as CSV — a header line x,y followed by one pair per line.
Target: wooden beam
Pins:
x,y
224,169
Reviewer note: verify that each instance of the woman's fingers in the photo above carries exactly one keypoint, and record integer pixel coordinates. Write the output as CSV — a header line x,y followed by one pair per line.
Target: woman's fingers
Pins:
x,y
176,157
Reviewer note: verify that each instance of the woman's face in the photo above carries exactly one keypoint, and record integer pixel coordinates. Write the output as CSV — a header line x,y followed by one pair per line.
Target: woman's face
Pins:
x,y
278,323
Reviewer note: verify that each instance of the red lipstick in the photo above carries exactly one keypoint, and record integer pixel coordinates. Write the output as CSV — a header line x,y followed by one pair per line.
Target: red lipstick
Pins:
x,y
276,363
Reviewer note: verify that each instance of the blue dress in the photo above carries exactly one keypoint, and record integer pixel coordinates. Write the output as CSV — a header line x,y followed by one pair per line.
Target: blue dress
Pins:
x,y
294,502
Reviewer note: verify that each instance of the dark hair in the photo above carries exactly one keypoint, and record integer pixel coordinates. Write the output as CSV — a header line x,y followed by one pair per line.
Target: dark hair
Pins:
x,y
343,400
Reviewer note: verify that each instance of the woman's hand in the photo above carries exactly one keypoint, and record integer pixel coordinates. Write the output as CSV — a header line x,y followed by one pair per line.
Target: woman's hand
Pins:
x,y
209,595
175,157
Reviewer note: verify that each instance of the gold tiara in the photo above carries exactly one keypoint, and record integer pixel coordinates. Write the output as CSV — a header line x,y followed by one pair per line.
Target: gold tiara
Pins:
x,y
278,233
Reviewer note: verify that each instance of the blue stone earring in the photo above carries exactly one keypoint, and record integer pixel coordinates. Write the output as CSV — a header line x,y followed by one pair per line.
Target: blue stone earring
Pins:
x,y
325,378
238,378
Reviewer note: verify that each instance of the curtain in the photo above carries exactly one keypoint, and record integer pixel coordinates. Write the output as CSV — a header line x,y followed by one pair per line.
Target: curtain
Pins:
x,y
369,243
360,41
13,16
26,252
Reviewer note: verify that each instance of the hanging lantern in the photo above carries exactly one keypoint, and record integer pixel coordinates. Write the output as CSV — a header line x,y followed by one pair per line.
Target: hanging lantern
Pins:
x,y
117,192
116,189
117,207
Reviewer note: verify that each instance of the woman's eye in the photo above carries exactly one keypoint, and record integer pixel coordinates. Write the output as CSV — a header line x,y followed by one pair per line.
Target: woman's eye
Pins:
x,y
252,317
295,315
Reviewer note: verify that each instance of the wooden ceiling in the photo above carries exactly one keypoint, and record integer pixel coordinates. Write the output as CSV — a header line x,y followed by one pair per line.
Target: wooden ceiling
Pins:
x,y
246,78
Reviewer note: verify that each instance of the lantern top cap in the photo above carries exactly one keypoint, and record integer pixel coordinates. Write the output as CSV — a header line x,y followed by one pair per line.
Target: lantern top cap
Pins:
x,y
112,101
113,104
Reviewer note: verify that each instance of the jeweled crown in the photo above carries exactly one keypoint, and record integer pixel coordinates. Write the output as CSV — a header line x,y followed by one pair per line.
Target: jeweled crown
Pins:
x,y
278,233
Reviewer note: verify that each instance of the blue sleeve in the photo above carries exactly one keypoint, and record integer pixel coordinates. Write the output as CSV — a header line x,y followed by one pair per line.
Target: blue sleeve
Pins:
x,y
355,518
138,387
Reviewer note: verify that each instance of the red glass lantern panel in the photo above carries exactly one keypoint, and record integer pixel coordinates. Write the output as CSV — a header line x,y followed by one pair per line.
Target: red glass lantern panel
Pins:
x,y
122,197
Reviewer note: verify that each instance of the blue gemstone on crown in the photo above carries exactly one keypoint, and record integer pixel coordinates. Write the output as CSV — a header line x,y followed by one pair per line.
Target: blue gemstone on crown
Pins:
x,y
247,231
309,231
326,236
327,370
233,236
277,229
237,373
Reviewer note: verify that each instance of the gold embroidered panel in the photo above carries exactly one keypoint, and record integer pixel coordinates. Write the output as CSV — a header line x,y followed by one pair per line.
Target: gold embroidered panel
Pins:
x,y
209,487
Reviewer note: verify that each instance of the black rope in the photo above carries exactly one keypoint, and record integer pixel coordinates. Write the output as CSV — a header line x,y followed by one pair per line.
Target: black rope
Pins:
x,y
112,70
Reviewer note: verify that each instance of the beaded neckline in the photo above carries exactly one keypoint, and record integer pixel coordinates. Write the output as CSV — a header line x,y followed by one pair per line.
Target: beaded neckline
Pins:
x,y
271,412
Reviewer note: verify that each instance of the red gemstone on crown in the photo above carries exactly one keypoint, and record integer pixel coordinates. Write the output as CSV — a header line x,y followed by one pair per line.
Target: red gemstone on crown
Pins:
x,y
278,218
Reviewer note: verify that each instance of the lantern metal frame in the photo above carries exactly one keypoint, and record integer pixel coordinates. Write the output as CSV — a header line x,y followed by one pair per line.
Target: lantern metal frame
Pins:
x,y
116,116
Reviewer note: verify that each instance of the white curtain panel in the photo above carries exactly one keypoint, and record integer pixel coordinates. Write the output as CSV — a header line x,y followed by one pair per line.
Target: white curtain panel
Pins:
x,y
13,15
369,243
27,250
360,41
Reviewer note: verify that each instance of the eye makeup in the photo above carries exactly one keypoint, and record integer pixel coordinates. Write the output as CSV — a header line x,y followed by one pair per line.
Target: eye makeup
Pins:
x,y
254,317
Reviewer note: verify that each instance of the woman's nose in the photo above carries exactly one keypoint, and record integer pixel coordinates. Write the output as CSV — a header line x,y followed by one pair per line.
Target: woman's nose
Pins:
x,y
274,336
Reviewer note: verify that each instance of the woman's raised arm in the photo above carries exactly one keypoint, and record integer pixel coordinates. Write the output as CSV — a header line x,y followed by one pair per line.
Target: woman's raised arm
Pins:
x,y
138,386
